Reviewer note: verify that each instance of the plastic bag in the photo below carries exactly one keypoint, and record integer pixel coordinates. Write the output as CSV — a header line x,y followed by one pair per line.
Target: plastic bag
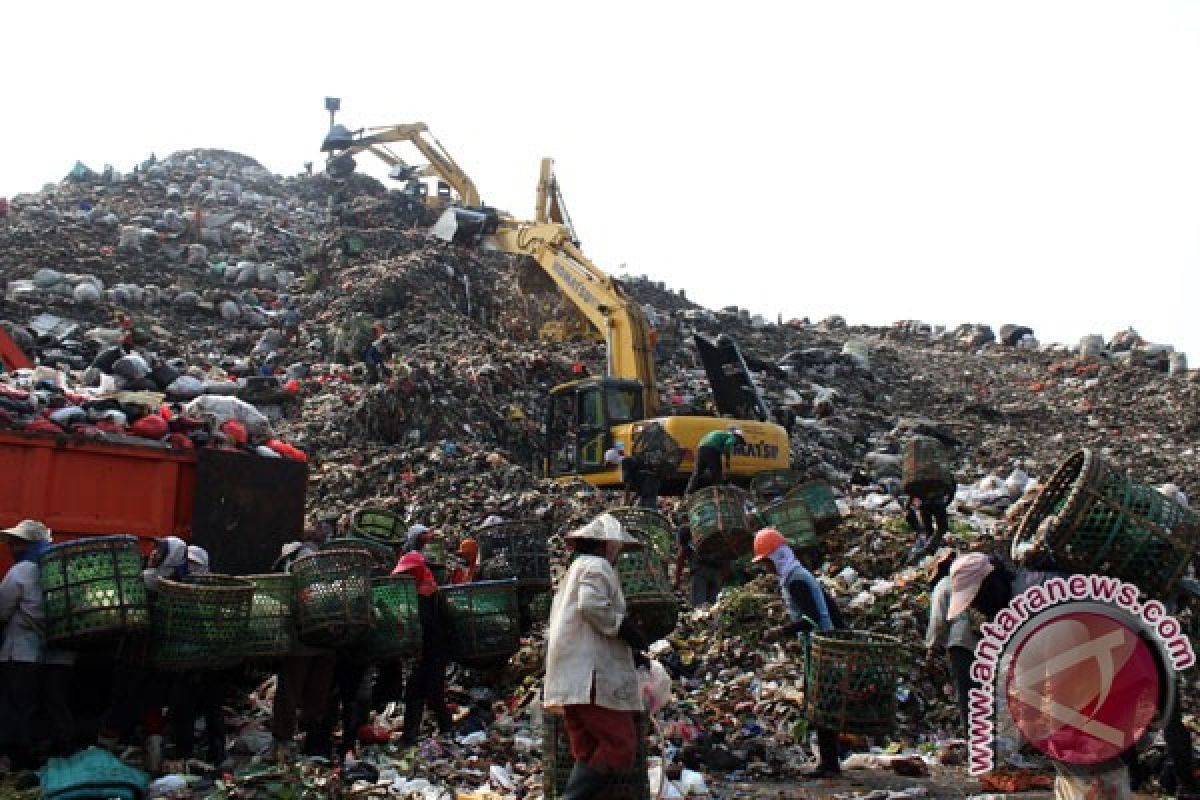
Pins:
x,y
655,686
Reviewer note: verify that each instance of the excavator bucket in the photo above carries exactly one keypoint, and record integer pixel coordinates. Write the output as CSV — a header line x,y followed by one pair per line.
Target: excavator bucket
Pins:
x,y
464,225
338,138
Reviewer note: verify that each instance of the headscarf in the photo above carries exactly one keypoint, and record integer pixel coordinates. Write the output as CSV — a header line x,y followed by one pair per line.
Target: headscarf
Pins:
x,y
197,558
173,564
414,564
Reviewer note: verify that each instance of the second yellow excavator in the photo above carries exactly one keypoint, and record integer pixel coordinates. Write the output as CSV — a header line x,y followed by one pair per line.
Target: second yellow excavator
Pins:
x,y
585,417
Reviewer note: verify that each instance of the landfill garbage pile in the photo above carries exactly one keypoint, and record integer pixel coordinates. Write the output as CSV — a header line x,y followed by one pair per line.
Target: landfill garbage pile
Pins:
x,y
193,264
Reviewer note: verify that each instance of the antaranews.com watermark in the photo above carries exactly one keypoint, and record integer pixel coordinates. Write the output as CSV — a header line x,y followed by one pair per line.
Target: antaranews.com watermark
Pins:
x,y
1089,636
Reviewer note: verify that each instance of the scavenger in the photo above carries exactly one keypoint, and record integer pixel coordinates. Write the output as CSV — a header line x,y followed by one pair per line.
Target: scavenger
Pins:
x,y
810,608
591,649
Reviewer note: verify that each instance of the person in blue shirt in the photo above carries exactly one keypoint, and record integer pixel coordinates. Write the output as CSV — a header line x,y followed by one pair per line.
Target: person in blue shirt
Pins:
x,y
810,608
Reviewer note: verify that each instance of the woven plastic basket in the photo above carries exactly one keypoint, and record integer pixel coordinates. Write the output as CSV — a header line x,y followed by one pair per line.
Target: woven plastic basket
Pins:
x,y
333,597
271,632
1090,518
482,622
93,591
383,556
200,623
721,528
647,589
395,622
773,484
925,469
793,520
652,528
818,496
850,681
379,525
631,784
524,544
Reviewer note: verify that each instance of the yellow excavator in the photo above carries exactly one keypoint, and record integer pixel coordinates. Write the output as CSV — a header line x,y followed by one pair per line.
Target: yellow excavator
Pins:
x,y
585,417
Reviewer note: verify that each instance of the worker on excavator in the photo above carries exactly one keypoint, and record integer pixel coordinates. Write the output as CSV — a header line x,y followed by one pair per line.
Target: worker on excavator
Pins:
x,y
810,608
715,447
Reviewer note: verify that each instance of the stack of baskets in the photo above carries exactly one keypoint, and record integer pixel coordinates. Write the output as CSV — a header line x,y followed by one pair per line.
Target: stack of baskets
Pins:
x,y
1092,519
200,622
395,621
482,622
721,526
850,681
333,596
93,591
631,784
822,505
644,581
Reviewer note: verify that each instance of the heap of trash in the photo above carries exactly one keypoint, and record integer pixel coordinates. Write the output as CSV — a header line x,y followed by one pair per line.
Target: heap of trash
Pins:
x,y
200,301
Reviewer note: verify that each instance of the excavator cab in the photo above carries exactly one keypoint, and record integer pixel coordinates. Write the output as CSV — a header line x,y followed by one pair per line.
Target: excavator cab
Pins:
x,y
579,419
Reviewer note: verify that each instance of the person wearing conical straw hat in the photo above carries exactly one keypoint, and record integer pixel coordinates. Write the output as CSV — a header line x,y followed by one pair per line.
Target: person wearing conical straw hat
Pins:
x,y
592,652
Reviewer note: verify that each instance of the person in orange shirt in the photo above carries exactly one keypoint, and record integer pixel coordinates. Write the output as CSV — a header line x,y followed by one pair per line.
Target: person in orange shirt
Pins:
x,y
468,551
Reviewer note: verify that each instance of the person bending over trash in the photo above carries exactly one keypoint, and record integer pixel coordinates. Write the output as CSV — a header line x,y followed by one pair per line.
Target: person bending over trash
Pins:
x,y
810,608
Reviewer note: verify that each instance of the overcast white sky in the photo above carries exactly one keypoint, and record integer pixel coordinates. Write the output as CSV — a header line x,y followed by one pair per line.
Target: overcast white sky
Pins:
x,y
1033,162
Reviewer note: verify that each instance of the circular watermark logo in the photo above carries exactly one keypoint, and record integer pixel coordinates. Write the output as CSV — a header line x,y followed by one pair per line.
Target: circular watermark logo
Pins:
x,y
1083,686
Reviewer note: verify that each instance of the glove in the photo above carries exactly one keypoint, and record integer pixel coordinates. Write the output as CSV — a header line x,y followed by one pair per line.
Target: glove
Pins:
x,y
632,635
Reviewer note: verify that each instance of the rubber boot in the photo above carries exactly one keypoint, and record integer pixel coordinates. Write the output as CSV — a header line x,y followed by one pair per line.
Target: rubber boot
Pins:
x,y
827,752
584,783
153,749
414,712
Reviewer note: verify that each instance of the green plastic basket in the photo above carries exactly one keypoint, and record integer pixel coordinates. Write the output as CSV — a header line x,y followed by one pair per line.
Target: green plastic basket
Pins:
x,y
925,469
395,621
793,520
200,622
523,542
93,590
333,597
721,528
1092,519
383,556
378,524
850,681
271,632
652,528
773,484
482,622
557,762
649,598
818,496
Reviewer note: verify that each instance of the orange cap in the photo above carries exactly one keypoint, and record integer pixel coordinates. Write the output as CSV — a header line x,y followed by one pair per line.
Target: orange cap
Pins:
x,y
767,541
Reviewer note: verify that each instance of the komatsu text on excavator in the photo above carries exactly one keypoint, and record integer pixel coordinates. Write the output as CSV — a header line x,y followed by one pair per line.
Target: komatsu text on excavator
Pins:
x,y
586,416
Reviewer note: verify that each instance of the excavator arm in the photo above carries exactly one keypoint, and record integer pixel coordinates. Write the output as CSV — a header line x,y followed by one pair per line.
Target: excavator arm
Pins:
x,y
597,296
346,144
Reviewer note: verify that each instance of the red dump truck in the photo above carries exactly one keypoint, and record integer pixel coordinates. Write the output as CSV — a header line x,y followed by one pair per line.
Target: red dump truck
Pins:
x,y
239,507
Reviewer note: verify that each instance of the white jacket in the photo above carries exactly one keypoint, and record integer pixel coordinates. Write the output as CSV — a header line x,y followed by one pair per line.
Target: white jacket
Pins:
x,y
582,649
